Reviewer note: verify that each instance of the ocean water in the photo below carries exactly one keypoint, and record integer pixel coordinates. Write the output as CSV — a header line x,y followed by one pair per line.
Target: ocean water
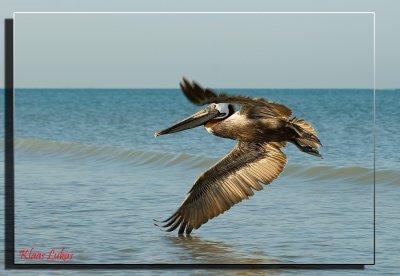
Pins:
x,y
90,178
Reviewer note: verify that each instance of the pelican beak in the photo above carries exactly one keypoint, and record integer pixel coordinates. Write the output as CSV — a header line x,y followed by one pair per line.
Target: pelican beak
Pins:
x,y
197,119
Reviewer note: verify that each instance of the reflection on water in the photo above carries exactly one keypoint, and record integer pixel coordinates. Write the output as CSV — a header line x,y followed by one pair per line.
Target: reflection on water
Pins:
x,y
217,252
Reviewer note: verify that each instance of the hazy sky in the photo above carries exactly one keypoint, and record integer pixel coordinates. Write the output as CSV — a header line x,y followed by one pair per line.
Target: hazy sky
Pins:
x,y
155,50
221,50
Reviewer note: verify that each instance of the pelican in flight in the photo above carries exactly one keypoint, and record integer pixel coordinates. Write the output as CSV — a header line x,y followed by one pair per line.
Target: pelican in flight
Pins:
x,y
261,129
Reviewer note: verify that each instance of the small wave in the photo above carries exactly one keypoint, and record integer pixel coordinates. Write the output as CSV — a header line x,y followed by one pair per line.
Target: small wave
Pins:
x,y
351,174
164,159
111,154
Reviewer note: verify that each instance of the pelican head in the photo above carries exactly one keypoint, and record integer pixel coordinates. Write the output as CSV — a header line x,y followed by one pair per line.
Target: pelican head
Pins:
x,y
212,112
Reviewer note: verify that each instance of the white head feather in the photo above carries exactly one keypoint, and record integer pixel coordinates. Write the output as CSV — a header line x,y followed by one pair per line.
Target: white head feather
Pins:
x,y
223,108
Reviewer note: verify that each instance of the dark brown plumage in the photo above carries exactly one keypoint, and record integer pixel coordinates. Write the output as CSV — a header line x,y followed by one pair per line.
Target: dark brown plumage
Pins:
x,y
261,129
255,107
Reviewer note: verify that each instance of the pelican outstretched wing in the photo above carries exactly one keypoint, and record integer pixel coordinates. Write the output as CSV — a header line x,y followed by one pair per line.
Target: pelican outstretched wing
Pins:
x,y
227,183
250,106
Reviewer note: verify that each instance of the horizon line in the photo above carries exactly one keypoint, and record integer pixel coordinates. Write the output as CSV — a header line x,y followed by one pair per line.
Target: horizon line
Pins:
x,y
214,88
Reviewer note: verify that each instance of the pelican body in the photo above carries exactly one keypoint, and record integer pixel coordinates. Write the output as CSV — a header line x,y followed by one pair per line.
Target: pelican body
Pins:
x,y
261,128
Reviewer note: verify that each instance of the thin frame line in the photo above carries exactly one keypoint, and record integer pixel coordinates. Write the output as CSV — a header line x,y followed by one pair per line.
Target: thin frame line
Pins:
x,y
374,131
238,12
196,12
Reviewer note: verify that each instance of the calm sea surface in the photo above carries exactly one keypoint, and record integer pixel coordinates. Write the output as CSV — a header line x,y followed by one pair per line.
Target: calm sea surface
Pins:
x,y
90,177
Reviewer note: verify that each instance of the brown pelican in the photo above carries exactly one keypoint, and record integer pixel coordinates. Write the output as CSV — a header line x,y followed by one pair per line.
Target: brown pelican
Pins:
x,y
261,129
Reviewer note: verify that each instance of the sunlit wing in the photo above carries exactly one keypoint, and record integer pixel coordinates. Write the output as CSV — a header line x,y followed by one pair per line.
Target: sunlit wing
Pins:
x,y
227,183
252,107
